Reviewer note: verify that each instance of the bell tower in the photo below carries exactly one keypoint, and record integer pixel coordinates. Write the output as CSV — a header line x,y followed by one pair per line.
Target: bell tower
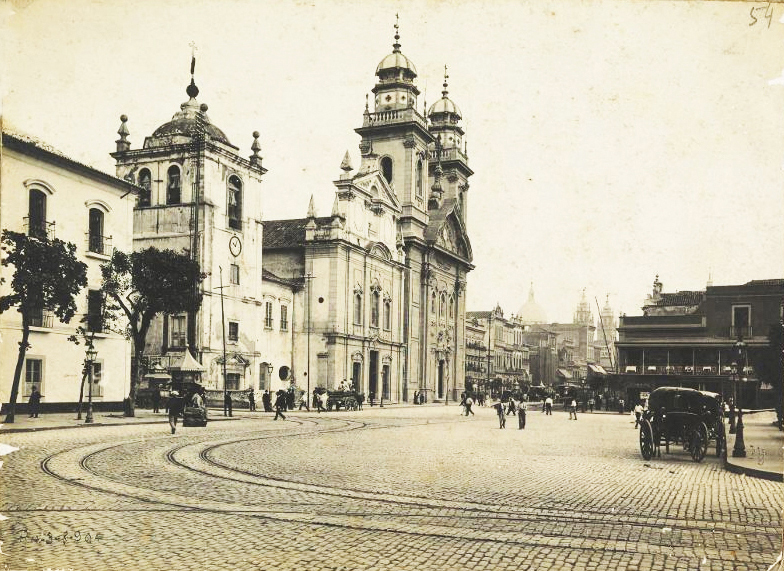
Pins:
x,y
395,138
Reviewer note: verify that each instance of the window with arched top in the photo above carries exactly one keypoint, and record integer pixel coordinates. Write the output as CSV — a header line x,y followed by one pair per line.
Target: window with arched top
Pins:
x,y
451,307
442,309
235,202
95,241
387,315
433,303
173,186
375,302
36,213
386,168
358,309
145,182
419,178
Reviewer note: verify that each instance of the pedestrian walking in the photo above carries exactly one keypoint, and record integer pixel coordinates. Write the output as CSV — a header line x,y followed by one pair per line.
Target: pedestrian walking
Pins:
x,y
280,405
463,404
469,402
549,405
303,401
176,407
324,399
511,409
227,404
156,399
621,406
35,402
590,403
522,408
266,401
251,400
573,410
499,409
637,414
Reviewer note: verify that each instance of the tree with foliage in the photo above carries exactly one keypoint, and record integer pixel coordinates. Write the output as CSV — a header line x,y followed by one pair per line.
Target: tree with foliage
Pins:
x,y
47,276
144,284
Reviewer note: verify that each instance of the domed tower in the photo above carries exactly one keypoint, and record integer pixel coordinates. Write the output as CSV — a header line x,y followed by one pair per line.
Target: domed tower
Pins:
x,y
395,138
531,312
450,153
200,196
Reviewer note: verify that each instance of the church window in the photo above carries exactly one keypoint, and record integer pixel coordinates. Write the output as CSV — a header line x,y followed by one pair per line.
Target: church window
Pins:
x,y
451,307
374,308
386,169
387,315
235,202
419,180
442,309
433,303
145,182
358,309
173,186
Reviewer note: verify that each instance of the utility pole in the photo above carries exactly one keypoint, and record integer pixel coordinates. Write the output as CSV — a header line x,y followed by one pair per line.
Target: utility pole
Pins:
x,y
223,338
307,278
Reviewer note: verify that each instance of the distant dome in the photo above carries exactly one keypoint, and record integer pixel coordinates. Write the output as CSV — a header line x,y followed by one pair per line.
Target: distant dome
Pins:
x,y
186,126
531,312
190,119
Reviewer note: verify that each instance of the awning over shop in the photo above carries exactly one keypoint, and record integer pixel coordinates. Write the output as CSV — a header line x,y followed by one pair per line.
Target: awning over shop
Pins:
x,y
187,364
159,376
597,369
564,373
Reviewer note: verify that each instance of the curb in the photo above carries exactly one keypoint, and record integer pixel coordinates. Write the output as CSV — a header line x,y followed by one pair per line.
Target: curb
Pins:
x,y
753,472
69,426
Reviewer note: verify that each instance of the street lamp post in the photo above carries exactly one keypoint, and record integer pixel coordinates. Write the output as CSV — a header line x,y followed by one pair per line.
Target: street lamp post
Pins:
x,y
739,450
91,355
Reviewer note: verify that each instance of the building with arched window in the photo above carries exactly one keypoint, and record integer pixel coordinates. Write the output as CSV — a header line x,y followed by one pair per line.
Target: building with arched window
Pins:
x,y
46,196
201,196
385,273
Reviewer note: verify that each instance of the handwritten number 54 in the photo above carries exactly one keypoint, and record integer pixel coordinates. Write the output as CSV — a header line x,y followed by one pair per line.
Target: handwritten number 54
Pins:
x,y
768,13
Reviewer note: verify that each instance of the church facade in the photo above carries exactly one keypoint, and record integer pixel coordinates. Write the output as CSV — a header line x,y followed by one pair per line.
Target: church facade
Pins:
x,y
384,276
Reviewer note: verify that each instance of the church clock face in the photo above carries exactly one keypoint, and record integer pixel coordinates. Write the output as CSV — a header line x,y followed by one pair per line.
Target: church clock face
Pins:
x,y
235,246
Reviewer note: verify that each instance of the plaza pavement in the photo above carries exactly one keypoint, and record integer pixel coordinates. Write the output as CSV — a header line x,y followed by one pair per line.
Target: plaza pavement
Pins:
x,y
420,488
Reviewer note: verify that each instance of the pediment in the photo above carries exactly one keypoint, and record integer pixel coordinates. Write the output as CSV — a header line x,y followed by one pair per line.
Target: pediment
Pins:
x,y
377,190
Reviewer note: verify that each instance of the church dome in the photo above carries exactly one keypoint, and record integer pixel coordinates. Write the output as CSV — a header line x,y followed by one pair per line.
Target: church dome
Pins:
x,y
444,105
531,312
395,61
190,119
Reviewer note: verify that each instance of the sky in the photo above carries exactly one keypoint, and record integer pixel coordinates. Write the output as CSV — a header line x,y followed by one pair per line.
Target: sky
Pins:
x,y
612,141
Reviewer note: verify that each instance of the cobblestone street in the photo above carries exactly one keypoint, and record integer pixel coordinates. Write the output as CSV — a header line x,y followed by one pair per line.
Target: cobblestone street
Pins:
x,y
416,488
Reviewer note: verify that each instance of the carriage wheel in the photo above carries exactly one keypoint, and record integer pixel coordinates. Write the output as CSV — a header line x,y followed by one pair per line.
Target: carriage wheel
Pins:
x,y
351,404
646,439
721,439
329,406
698,443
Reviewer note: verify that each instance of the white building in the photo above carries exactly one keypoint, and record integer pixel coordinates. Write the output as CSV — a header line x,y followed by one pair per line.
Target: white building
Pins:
x,y
201,197
47,194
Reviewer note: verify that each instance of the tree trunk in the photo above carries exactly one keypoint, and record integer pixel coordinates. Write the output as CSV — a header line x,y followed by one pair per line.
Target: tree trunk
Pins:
x,y
81,396
135,379
18,370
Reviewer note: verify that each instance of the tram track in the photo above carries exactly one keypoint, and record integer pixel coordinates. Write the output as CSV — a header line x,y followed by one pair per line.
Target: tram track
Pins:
x,y
458,511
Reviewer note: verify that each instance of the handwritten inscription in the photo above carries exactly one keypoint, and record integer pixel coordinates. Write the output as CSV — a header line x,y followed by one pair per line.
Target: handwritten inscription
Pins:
x,y
49,538
758,13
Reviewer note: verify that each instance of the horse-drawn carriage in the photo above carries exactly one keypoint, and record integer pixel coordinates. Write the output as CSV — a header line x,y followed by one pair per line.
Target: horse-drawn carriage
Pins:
x,y
348,400
682,416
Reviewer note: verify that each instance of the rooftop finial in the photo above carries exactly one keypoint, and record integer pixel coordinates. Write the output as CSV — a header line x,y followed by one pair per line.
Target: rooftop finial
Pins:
x,y
192,90
255,158
346,164
122,143
311,208
446,84
396,45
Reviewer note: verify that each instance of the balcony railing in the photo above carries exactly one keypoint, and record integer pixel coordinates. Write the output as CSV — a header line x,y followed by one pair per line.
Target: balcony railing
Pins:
x,y
681,370
98,244
43,319
740,331
39,228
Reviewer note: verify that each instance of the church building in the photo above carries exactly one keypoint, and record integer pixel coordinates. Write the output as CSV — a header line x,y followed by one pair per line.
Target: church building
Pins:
x,y
200,196
384,275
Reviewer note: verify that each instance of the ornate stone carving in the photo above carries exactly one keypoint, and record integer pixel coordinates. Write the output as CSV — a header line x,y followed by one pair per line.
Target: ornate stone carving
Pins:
x,y
358,290
409,142
364,147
